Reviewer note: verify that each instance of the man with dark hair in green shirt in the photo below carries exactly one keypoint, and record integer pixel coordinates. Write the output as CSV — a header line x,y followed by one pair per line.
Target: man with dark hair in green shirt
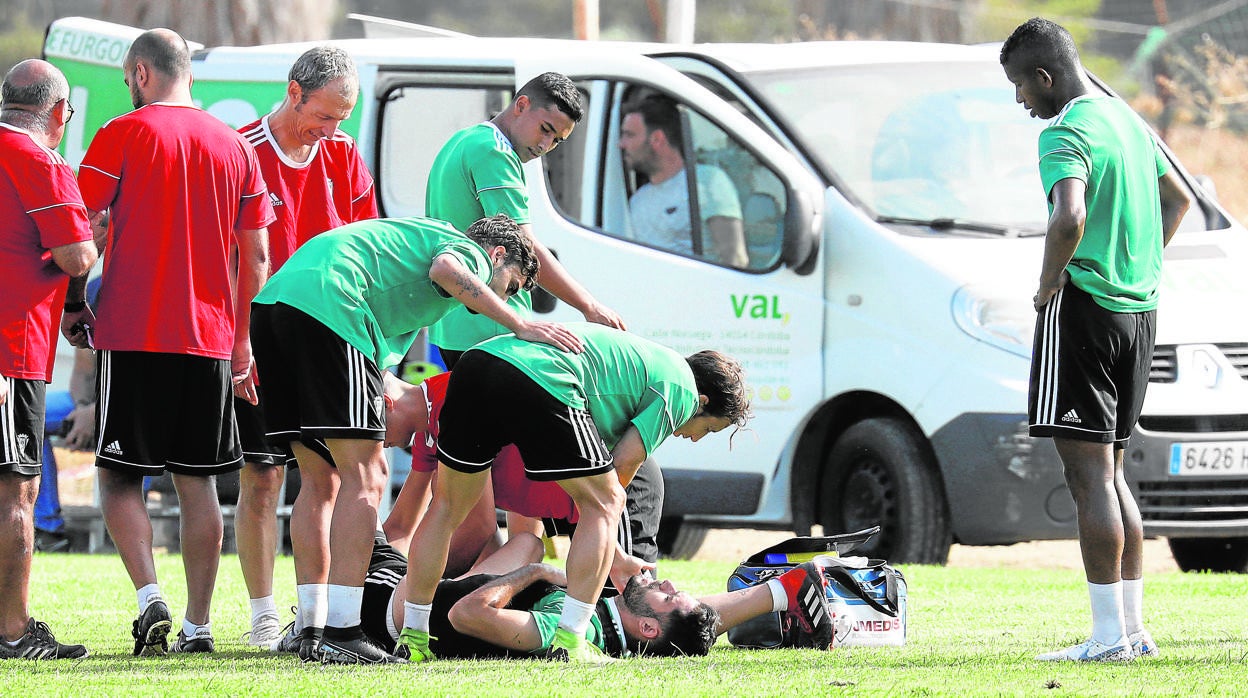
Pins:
x,y
1114,204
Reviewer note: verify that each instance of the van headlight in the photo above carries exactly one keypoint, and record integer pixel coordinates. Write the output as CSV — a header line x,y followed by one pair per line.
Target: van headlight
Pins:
x,y
994,315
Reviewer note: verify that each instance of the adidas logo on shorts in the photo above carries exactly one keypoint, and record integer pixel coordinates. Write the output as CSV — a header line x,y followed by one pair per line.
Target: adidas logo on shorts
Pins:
x,y
113,448
1072,418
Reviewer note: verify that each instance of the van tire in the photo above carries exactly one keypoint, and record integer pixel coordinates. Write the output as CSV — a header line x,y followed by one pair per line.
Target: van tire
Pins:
x,y
1210,554
881,472
678,539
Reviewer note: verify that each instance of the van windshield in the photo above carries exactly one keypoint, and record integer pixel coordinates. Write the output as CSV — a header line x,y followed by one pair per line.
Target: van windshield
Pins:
x,y
920,141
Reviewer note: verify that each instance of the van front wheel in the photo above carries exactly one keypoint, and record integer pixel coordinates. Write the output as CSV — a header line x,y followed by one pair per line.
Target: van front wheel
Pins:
x,y
880,472
1210,554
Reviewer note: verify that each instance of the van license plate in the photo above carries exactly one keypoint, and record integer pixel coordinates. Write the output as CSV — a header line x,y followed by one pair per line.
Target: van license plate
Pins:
x,y
1209,458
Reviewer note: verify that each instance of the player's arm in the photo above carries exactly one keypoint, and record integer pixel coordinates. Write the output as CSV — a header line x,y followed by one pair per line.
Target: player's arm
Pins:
x,y
483,614
450,274
1174,204
553,277
76,260
253,271
728,241
1065,230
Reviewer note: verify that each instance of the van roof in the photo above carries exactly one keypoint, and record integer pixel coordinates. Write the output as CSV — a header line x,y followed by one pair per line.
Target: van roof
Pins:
x,y
502,51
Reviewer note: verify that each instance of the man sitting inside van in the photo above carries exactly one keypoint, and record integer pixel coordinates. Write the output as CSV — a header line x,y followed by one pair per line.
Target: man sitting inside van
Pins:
x,y
652,144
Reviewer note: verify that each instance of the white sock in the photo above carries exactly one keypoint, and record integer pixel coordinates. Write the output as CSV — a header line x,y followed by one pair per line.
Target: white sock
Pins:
x,y
1107,624
262,607
147,594
190,629
1133,605
779,597
344,605
313,606
576,615
416,615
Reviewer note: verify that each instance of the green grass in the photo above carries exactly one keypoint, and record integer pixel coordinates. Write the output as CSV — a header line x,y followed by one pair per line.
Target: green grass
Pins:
x,y
972,632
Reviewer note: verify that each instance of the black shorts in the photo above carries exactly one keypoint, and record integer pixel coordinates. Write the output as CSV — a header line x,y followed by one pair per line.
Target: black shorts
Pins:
x,y
251,435
313,384
21,426
160,412
490,403
1089,369
385,569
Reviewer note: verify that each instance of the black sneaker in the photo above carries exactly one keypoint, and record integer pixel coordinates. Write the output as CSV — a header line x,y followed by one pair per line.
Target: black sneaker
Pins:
x,y
309,643
151,630
51,541
808,622
201,642
351,646
39,643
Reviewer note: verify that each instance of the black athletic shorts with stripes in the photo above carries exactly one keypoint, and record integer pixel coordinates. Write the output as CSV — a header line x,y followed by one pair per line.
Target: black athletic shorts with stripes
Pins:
x,y
388,565
1089,369
313,384
490,403
160,412
21,426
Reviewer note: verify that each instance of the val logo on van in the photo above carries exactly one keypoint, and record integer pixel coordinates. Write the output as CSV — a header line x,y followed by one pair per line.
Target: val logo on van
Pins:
x,y
758,307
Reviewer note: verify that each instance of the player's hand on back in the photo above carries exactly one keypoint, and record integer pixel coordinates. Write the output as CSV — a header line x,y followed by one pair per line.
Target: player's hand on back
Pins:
x,y
551,333
603,315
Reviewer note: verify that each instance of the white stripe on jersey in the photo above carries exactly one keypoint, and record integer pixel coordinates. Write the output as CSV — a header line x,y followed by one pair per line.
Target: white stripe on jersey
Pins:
x,y
106,174
67,203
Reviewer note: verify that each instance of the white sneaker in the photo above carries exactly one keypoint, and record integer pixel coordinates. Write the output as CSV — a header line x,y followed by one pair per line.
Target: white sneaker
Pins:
x,y
265,631
1142,644
1091,651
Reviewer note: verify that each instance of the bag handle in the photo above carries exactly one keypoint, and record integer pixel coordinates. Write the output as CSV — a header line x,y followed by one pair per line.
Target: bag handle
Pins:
x,y
842,575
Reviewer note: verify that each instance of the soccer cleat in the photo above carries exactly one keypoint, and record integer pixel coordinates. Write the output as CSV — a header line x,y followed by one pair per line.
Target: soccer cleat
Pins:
x,y
808,619
39,643
199,643
1142,644
289,641
570,647
352,646
1091,651
413,645
266,631
151,630
309,647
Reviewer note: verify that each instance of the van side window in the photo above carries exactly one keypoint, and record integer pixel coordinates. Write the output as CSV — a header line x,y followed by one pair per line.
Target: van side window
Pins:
x,y
727,208
417,119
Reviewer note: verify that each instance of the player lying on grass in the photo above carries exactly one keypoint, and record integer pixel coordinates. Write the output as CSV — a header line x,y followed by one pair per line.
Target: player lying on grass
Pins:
x,y
576,419
508,605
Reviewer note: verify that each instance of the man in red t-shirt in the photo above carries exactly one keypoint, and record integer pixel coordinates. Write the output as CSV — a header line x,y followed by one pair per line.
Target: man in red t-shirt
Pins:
x,y
180,188
317,181
45,239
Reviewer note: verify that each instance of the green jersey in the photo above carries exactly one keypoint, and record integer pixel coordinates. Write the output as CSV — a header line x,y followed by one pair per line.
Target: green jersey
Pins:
x,y
621,379
1101,142
546,613
476,174
369,281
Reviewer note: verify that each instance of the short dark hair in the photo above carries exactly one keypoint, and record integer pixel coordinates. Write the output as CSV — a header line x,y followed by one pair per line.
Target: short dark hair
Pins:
x,y
499,229
321,65
722,380
162,52
1040,43
689,633
43,93
554,89
660,113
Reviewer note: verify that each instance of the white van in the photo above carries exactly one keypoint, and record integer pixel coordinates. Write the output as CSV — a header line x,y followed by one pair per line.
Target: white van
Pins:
x,y
894,217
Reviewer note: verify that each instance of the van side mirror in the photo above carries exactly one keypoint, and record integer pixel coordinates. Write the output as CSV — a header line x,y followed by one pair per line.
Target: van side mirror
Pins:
x,y
801,236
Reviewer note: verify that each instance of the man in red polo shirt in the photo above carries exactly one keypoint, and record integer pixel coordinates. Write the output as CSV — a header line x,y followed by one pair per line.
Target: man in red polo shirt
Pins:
x,y
180,187
44,241
317,181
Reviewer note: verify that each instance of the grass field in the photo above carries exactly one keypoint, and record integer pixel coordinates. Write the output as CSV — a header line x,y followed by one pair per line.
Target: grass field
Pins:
x,y
972,632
